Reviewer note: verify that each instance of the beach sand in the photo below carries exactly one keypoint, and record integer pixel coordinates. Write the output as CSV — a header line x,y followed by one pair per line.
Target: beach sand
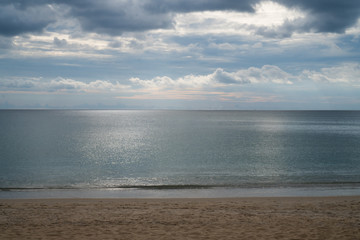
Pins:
x,y
236,218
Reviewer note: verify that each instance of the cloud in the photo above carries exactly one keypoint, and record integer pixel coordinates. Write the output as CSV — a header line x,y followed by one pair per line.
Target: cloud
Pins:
x,y
327,15
60,42
164,82
228,78
321,16
111,17
6,42
64,85
18,83
346,73
18,17
266,74
163,6
267,84
114,17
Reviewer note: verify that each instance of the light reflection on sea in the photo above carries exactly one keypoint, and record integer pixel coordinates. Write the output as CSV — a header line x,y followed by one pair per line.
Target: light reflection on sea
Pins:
x,y
102,150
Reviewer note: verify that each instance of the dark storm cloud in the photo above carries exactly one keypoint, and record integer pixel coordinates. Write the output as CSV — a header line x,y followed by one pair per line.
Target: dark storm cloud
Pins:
x,y
23,4
18,17
324,15
113,17
199,5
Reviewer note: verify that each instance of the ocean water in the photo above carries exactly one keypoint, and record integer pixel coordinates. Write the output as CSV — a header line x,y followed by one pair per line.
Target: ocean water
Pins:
x,y
173,151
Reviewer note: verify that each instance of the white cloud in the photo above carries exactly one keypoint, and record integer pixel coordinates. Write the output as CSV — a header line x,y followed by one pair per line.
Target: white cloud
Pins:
x,y
354,30
346,73
220,84
164,82
266,74
267,14
18,83
246,85
64,85
58,45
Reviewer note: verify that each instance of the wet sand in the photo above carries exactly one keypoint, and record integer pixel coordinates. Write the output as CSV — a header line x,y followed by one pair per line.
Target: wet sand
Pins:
x,y
232,218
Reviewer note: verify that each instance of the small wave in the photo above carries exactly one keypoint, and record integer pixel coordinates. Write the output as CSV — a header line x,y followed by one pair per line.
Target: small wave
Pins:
x,y
187,186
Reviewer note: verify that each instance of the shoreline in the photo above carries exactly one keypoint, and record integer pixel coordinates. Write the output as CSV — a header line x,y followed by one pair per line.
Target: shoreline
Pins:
x,y
182,218
217,192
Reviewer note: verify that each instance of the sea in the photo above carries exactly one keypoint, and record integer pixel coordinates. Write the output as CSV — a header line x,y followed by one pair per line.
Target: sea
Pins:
x,y
173,153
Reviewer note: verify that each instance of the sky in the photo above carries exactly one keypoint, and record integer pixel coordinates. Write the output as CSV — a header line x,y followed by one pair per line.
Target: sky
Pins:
x,y
180,54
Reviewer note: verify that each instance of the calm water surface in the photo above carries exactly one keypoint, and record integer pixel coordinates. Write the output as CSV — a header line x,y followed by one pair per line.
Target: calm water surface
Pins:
x,y
57,149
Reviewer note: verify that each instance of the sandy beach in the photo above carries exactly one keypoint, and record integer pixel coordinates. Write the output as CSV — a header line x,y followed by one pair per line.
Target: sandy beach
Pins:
x,y
233,218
